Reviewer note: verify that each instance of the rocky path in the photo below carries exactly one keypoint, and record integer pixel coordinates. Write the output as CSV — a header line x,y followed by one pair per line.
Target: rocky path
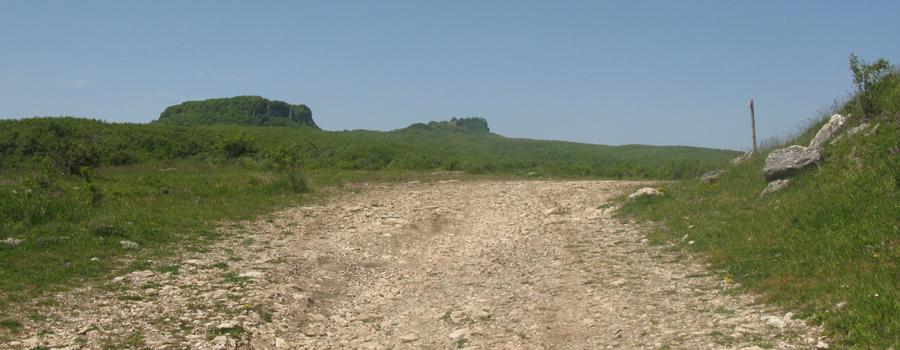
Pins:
x,y
444,265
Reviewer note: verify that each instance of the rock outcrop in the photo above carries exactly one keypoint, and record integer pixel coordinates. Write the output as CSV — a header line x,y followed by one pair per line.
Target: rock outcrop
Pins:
x,y
784,162
829,131
13,241
711,177
129,245
739,160
646,191
773,187
855,130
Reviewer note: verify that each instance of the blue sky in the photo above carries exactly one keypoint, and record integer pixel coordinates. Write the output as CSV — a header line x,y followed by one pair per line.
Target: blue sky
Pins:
x,y
636,72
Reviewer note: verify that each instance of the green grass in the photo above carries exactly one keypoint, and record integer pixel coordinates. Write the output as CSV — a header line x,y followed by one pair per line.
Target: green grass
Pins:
x,y
66,240
130,298
12,325
828,246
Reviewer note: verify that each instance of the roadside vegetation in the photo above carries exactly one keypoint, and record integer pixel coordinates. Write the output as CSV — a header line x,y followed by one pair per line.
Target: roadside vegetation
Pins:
x,y
828,246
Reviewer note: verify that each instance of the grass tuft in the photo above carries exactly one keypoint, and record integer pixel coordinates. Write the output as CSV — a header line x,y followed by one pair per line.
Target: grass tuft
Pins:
x,y
12,325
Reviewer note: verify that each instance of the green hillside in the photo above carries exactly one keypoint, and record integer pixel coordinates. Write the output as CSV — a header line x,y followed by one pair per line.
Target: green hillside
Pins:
x,y
445,136
240,110
463,144
828,246
555,157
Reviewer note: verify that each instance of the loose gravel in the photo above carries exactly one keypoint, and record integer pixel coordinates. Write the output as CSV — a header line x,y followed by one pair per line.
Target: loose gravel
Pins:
x,y
441,265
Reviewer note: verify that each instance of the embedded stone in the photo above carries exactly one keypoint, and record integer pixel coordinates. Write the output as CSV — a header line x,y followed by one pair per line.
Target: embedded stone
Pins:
x,y
460,333
739,160
129,245
773,187
646,191
828,132
784,162
711,177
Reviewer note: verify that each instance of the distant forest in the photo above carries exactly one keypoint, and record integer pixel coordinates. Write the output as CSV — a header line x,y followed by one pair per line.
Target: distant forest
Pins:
x,y
239,110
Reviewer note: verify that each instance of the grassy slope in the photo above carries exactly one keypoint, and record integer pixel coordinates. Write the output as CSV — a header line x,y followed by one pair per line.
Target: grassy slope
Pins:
x,y
493,146
827,247
373,150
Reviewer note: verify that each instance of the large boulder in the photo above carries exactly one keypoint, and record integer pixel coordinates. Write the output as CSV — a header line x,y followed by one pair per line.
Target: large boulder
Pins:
x,y
829,131
784,162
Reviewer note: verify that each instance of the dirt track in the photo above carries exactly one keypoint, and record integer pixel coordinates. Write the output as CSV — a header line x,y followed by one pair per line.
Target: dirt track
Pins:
x,y
443,265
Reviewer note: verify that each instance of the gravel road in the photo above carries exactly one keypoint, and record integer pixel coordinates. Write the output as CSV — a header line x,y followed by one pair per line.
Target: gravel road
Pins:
x,y
440,265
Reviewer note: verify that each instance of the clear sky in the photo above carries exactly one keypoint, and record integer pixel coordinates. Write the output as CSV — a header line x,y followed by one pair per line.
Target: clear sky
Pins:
x,y
600,72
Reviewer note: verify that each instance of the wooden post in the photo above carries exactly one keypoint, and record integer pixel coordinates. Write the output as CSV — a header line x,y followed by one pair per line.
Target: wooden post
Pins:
x,y
753,125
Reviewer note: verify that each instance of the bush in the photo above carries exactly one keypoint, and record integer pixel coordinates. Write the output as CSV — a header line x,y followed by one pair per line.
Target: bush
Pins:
x,y
90,186
288,155
412,161
74,153
868,79
236,145
293,181
451,165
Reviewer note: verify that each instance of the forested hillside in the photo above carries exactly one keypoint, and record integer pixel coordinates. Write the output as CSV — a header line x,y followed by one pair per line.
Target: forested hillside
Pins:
x,y
240,110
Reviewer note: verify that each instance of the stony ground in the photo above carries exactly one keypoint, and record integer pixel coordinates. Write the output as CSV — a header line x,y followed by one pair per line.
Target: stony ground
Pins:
x,y
443,265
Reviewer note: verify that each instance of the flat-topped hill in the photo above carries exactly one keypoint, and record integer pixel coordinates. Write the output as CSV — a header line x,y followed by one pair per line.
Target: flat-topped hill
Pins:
x,y
239,110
